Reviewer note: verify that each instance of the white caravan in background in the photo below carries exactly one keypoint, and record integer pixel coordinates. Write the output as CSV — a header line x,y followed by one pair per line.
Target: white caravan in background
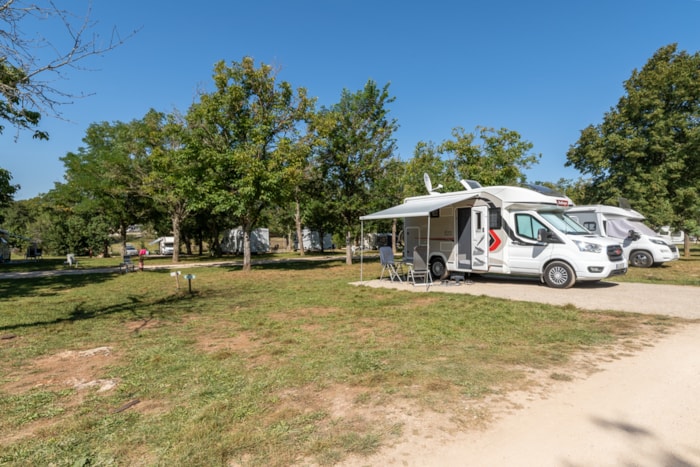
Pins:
x,y
643,247
312,241
232,241
504,230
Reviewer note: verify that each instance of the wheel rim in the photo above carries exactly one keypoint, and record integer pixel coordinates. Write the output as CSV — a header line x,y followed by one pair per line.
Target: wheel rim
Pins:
x,y
558,275
641,260
437,268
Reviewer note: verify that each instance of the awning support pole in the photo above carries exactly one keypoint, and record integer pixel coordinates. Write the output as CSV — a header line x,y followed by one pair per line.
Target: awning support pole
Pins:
x,y
362,237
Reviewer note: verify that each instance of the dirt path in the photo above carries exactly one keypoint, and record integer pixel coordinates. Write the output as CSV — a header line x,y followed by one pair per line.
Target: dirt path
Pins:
x,y
640,410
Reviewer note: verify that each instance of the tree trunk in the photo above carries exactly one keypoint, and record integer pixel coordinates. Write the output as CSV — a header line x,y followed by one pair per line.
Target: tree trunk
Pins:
x,y
246,247
297,221
686,245
176,238
348,248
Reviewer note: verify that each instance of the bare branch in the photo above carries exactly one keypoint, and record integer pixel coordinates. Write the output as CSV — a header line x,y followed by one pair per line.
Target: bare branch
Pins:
x,y
31,63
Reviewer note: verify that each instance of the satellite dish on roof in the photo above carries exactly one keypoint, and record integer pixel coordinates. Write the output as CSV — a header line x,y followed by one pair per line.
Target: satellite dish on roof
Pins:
x,y
429,184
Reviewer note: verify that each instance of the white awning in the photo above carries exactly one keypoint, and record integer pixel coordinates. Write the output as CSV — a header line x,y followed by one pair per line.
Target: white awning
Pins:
x,y
421,207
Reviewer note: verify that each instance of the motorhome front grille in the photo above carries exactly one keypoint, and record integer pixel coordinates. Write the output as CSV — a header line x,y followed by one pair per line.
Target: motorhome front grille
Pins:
x,y
674,248
615,253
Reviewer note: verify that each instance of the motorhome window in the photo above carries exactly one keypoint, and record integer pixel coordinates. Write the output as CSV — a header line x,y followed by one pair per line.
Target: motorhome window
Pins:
x,y
435,213
527,226
590,226
564,223
495,219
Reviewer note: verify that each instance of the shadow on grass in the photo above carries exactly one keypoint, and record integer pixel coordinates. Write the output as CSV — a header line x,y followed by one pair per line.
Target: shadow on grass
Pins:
x,y
83,311
292,264
49,285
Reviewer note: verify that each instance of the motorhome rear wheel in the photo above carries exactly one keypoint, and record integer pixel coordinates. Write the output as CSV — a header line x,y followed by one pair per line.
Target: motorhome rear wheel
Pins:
x,y
437,268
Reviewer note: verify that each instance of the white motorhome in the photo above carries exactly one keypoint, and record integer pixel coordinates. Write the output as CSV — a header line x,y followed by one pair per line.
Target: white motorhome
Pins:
x,y
643,247
166,245
232,241
504,230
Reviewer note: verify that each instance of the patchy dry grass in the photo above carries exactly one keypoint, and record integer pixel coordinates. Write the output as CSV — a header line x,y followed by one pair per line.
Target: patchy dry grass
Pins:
x,y
287,364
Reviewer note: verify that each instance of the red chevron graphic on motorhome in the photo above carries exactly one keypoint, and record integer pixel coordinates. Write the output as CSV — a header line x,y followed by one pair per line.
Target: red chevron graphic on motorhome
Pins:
x,y
494,240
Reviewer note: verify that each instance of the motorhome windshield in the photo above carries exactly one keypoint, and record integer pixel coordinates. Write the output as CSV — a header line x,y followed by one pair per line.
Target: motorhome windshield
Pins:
x,y
620,228
564,223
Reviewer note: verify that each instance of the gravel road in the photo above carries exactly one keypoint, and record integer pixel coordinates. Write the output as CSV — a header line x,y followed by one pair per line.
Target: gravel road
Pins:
x,y
641,410
671,300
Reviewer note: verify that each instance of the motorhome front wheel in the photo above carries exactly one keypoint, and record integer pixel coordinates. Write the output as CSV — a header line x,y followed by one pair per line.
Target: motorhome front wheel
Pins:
x,y
559,275
641,259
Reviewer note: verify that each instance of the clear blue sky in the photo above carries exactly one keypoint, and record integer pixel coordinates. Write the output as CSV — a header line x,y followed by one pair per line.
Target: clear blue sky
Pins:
x,y
544,68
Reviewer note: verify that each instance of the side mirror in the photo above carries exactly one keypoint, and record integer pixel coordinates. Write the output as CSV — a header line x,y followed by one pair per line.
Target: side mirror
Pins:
x,y
634,235
543,235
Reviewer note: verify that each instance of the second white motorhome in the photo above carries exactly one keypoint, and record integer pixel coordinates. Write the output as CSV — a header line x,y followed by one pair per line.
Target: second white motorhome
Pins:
x,y
643,247
504,230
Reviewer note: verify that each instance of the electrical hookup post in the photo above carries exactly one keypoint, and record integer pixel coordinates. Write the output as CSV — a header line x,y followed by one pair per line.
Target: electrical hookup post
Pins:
x,y
189,278
176,275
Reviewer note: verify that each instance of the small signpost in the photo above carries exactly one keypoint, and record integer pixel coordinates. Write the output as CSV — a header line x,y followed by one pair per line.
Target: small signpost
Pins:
x,y
189,278
176,275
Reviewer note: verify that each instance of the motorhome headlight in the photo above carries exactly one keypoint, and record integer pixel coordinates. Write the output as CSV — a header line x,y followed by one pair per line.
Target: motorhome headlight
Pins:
x,y
658,242
588,247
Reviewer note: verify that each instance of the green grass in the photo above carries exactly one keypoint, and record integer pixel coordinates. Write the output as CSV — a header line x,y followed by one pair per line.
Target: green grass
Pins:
x,y
685,271
287,364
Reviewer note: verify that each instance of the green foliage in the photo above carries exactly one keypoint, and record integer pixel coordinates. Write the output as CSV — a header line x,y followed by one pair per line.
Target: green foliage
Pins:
x,y
12,109
647,149
7,191
498,160
426,159
354,148
246,131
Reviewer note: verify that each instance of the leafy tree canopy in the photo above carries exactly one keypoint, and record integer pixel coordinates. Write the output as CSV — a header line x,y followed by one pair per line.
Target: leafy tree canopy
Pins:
x,y
647,149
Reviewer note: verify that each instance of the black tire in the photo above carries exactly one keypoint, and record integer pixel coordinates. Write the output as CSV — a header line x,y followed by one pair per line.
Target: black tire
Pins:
x,y
641,259
438,270
559,275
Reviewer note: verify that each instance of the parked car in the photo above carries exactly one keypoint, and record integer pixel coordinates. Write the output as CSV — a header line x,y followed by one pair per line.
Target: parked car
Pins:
x,y
130,250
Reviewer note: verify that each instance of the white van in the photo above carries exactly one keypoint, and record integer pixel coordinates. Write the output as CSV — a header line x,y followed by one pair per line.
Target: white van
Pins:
x,y
504,230
643,247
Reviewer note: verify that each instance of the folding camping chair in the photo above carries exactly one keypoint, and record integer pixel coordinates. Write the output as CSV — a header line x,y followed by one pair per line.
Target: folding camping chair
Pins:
x,y
386,257
419,268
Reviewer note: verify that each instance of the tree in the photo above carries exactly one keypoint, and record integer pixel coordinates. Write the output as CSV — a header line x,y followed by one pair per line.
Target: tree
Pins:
x,y
105,177
177,178
425,160
245,130
355,144
647,149
27,71
7,191
498,160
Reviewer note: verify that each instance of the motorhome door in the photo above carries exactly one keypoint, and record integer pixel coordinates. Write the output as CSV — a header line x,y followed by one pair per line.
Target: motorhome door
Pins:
x,y
480,238
473,239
